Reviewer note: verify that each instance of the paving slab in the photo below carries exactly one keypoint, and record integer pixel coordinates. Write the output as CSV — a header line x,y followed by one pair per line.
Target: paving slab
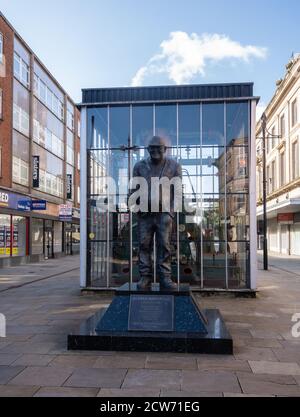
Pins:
x,y
193,394
41,376
33,360
203,381
163,379
65,392
129,393
9,372
269,384
121,361
252,353
275,368
172,362
14,391
96,378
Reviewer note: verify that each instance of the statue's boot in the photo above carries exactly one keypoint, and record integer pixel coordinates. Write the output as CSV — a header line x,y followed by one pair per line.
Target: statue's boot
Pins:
x,y
144,283
167,284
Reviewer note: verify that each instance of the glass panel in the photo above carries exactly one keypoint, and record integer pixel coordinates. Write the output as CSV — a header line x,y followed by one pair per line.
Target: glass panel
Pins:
x,y
213,124
189,124
142,125
237,178
119,127
238,264
19,239
97,118
166,122
238,216
237,122
57,239
37,231
213,223
4,235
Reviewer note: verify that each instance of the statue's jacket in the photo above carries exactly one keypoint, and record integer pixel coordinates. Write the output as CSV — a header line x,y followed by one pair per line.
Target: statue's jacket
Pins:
x,y
171,169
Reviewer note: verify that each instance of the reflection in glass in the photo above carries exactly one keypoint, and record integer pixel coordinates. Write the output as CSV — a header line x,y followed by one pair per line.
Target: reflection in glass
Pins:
x,y
213,125
189,124
97,120
237,122
142,125
238,216
166,122
119,126
237,178
238,264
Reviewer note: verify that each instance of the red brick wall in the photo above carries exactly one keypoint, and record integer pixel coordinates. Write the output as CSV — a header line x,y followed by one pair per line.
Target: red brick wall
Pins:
x,y
6,82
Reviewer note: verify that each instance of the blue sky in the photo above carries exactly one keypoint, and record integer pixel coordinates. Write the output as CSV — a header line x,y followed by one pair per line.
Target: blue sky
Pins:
x,y
101,43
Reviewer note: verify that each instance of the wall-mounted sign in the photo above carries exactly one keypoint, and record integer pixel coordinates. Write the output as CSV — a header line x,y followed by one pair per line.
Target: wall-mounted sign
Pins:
x,y
39,205
4,199
24,205
287,218
69,186
36,171
65,212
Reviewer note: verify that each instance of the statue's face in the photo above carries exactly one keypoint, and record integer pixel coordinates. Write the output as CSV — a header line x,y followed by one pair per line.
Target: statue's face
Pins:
x,y
157,150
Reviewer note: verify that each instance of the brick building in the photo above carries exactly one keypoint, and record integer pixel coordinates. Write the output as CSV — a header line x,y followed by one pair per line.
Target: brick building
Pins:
x,y
39,157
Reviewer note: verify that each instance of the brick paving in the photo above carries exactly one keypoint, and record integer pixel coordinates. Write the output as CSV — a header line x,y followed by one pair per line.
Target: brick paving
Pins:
x,y
34,360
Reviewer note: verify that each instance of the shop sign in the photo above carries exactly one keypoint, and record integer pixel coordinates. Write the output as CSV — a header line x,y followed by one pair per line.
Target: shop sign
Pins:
x,y
286,218
4,199
39,205
24,205
69,186
65,212
36,171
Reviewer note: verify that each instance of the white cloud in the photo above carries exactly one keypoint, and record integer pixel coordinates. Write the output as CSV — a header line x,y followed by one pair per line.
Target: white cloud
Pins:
x,y
184,56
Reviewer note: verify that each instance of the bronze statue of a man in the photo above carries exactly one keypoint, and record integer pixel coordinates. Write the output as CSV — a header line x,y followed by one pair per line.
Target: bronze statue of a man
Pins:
x,y
157,222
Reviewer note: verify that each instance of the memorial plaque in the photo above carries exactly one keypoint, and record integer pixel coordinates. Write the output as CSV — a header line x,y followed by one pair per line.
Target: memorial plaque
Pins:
x,y
151,313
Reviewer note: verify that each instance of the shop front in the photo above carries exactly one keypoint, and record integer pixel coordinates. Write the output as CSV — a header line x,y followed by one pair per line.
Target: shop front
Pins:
x,y
31,230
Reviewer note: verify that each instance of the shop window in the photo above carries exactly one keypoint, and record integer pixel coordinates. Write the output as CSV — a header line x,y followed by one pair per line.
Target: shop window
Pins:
x,y
5,235
37,233
19,246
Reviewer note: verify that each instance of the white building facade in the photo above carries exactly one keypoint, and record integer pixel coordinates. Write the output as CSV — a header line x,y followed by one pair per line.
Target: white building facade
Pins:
x,y
282,165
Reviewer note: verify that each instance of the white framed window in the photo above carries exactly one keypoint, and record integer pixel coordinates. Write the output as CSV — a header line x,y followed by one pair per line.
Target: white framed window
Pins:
x,y
282,126
78,194
78,128
282,168
295,159
20,120
294,112
20,171
21,70
47,97
78,161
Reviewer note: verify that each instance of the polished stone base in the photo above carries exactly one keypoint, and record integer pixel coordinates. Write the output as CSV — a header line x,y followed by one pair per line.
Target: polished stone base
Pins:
x,y
195,330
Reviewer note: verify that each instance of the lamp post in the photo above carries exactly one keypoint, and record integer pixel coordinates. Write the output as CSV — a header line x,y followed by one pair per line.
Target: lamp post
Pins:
x,y
264,157
265,242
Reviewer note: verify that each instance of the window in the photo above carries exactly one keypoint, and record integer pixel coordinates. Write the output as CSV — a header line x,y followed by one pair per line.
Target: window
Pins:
x,y
273,138
282,169
1,48
21,120
274,183
78,128
21,70
295,159
78,194
0,161
70,120
294,112
269,179
48,97
1,103
282,126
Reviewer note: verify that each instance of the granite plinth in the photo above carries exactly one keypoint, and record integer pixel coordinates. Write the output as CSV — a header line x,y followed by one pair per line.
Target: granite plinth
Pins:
x,y
194,331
